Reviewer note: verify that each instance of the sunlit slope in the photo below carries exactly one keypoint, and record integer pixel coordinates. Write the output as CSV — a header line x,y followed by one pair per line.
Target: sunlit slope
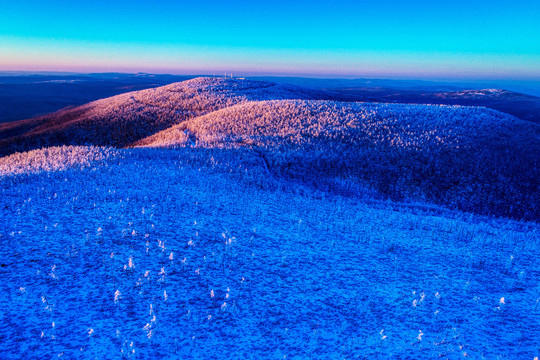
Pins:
x,y
469,158
120,120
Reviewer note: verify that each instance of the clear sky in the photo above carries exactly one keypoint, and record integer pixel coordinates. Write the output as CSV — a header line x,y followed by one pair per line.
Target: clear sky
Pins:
x,y
472,39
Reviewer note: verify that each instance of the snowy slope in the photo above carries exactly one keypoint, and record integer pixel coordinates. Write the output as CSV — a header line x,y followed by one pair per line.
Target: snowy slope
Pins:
x,y
467,158
197,253
449,155
120,120
397,125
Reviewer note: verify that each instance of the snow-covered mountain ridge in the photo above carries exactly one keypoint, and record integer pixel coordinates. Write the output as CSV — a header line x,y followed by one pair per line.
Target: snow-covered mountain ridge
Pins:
x,y
123,119
237,219
446,155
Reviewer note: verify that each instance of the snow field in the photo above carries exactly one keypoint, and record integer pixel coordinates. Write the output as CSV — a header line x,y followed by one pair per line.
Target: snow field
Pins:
x,y
198,253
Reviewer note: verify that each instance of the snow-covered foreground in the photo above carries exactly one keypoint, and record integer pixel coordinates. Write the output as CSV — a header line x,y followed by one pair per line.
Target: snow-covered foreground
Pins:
x,y
200,253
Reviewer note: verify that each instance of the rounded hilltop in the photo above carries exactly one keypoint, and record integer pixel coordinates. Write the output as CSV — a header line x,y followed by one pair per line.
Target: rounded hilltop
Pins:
x,y
123,119
302,121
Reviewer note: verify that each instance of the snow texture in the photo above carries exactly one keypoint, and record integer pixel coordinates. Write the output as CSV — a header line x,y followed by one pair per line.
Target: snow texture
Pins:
x,y
197,253
53,159
449,155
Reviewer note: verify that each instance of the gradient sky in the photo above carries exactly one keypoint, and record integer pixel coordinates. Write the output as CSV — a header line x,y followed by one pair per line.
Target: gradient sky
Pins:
x,y
457,39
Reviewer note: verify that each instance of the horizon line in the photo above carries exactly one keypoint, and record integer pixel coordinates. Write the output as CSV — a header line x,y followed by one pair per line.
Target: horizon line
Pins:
x,y
284,74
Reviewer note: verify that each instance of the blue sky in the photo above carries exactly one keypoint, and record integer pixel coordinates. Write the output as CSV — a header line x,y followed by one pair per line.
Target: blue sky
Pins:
x,y
386,38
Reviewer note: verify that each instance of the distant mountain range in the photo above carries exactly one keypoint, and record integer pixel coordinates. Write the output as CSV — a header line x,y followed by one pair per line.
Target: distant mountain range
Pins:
x,y
523,106
26,95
